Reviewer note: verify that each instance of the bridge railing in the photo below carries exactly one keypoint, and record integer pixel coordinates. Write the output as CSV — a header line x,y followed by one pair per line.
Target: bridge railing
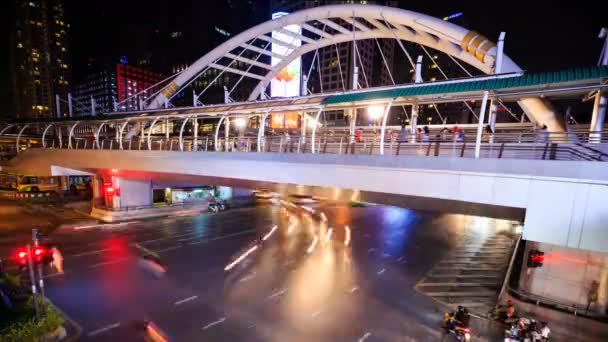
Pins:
x,y
507,145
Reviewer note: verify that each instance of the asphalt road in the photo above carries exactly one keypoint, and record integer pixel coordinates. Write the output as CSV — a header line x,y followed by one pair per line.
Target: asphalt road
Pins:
x,y
288,288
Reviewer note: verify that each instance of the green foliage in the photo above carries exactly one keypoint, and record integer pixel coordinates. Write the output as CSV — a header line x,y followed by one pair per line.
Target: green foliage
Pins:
x,y
12,279
24,326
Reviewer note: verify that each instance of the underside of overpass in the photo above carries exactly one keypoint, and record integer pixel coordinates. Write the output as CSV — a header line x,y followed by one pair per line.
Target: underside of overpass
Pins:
x,y
561,203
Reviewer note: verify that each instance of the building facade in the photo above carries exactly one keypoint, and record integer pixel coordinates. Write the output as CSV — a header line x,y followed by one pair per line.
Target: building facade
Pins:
x,y
40,61
114,87
97,92
131,80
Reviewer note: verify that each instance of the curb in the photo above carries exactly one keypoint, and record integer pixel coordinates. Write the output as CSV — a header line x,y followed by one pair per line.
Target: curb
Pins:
x,y
78,329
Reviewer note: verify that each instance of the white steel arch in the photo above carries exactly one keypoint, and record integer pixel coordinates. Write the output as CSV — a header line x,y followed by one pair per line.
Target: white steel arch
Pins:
x,y
368,22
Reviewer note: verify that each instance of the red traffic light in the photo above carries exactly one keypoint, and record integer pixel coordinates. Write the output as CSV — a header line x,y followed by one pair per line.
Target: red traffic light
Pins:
x,y
536,258
39,251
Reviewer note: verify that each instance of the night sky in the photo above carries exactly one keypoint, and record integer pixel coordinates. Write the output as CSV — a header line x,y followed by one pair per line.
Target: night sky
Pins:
x,y
543,36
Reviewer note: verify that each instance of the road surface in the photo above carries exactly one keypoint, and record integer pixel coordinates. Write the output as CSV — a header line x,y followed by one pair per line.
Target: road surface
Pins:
x,y
309,280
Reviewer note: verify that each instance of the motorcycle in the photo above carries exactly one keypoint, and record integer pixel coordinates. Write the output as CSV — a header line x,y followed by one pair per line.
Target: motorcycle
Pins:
x,y
527,330
498,313
213,207
217,206
460,331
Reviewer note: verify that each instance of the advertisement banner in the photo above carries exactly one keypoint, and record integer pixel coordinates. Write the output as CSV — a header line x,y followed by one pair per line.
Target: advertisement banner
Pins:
x,y
286,83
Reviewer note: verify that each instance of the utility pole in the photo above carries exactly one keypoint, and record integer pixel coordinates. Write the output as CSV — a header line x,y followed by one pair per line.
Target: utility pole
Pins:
x,y
32,280
40,278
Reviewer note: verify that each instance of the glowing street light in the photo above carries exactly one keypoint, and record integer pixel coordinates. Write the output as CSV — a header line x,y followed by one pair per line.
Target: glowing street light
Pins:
x,y
375,112
240,122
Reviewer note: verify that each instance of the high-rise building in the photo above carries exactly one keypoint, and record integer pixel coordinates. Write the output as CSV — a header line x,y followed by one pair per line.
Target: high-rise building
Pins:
x,y
123,86
99,86
131,80
40,57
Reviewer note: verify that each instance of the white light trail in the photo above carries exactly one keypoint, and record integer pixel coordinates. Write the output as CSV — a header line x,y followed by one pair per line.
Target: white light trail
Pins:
x,y
239,259
346,236
270,233
312,245
292,226
323,217
331,230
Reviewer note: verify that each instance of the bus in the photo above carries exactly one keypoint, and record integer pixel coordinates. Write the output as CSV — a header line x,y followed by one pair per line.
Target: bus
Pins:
x,y
27,183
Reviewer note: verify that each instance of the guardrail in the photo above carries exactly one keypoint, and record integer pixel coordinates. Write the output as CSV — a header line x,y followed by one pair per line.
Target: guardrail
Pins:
x,y
510,145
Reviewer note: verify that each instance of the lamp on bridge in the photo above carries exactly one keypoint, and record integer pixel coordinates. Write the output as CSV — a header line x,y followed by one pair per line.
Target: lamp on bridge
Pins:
x,y
240,122
375,112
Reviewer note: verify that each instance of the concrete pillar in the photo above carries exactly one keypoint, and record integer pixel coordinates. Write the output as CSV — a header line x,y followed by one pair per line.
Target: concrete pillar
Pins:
x,y
303,128
226,134
482,113
64,184
414,122
598,117
97,190
492,114
131,192
195,134
492,118
352,125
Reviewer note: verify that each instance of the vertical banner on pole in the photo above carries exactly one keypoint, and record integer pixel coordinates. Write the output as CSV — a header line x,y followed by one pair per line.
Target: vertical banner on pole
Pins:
x,y
287,82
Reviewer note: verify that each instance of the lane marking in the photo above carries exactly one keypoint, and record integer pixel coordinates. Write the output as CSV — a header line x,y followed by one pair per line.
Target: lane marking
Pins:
x,y
276,294
104,329
381,271
239,259
145,250
270,233
246,278
223,237
365,336
185,300
91,252
108,262
312,245
219,321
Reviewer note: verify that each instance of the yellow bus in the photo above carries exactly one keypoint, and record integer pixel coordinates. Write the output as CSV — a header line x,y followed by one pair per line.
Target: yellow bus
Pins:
x,y
26,183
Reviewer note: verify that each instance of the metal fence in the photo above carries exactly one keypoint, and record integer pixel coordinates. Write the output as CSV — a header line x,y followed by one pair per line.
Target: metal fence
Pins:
x,y
578,145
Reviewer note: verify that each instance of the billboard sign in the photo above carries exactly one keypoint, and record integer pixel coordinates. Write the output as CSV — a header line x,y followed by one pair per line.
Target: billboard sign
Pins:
x,y
288,120
286,83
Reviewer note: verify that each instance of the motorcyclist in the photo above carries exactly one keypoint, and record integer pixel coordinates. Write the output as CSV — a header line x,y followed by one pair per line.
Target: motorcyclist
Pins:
x,y
510,310
459,318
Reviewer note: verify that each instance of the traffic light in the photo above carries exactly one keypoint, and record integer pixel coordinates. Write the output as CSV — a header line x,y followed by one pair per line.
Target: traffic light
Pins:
x,y
38,253
536,258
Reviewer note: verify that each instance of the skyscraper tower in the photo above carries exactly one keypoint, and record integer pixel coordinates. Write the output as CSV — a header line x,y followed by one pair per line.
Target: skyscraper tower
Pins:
x,y
40,60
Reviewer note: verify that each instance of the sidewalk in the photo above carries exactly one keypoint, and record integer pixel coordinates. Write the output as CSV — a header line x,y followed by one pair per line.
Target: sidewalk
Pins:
x,y
564,326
